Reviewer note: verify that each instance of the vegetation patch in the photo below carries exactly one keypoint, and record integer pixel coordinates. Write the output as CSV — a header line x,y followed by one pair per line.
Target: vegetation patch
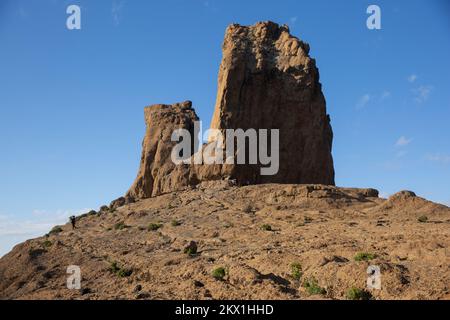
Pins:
x,y
219,273
422,219
296,270
55,230
175,223
266,227
312,287
154,226
120,226
47,244
358,294
120,271
248,208
365,256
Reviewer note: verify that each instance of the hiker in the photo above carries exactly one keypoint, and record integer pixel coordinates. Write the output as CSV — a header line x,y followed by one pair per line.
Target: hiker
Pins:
x,y
73,221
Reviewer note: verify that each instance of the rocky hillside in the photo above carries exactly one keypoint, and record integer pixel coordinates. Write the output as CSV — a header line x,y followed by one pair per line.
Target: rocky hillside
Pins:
x,y
272,241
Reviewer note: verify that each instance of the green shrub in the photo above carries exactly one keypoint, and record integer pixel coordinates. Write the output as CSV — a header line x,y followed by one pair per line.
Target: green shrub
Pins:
x,y
312,286
55,230
248,208
120,226
296,271
422,219
219,273
307,220
175,223
266,227
123,273
47,243
191,249
358,294
119,271
365,256
154,226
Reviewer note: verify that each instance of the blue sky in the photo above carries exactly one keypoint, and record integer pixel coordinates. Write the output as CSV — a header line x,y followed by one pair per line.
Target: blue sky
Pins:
x,y
71,102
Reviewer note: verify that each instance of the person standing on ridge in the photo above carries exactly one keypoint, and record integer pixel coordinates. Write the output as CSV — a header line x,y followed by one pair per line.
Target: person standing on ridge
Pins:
x,y
73,221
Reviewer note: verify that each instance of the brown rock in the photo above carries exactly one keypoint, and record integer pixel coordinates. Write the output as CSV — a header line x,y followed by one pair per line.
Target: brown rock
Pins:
x,y
268,81
157,173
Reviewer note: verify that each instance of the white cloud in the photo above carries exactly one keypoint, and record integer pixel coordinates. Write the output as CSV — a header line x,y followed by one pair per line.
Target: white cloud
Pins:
x,y
438,157
14,230
412,78
293,20
385,94
362,102
422,93
403,141
116,11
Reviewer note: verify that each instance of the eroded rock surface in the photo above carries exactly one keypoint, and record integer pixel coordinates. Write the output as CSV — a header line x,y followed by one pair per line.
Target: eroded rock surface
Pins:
x,y
157,172
266,81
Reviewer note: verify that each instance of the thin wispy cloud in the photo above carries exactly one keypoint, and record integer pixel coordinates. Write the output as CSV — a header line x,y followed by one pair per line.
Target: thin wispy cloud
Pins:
x,y
412,78
14,230
403,141
116,11
440,158
422,93
363,101
385,94
293,20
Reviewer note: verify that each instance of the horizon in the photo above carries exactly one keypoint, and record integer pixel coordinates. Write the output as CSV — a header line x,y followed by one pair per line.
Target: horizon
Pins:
x,y
72,100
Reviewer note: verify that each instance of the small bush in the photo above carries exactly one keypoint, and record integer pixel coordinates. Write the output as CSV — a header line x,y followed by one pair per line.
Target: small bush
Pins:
x,y
312,287
228,225
266,227
191,249
114,267
123,273
175,223
296,271
120,226
154,226
119,271
47,243
219,273
55,230
358,294
307,220
248,209
422,219
365,256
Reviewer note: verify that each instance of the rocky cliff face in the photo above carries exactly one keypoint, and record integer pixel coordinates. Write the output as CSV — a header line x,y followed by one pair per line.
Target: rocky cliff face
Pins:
x,y
157,173
266,81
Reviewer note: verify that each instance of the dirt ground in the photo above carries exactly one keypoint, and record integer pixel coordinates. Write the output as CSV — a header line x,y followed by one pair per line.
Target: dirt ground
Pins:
x,y
272,241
